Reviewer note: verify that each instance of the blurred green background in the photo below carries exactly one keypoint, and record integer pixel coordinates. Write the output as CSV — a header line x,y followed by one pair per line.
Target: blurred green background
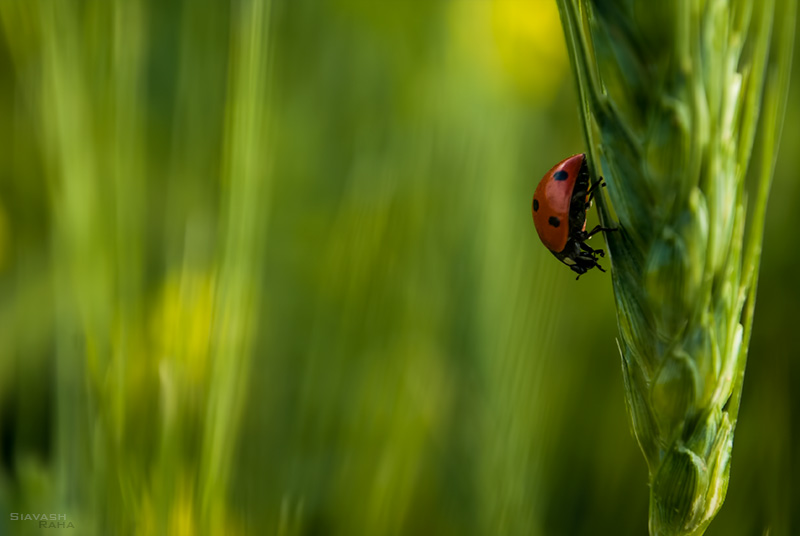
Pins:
x,y
269,268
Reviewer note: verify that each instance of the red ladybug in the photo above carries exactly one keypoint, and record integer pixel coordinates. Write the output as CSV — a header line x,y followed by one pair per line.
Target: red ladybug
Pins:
x,y
559,213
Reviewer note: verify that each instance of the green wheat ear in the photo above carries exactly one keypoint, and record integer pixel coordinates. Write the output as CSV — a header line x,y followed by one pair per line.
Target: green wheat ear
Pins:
x,y
672,95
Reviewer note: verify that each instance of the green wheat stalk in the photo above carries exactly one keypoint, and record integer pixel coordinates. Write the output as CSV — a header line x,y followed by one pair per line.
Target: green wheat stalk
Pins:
x,y
682,104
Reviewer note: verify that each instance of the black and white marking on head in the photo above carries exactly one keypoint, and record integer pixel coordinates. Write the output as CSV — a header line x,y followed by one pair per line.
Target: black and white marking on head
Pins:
x,y
535,205
555,222
560,175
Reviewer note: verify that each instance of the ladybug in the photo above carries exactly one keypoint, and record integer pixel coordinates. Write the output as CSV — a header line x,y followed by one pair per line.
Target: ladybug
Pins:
x,y
559,214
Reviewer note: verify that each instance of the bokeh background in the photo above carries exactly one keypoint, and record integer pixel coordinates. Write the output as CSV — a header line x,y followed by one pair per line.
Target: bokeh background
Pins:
x,y
269,268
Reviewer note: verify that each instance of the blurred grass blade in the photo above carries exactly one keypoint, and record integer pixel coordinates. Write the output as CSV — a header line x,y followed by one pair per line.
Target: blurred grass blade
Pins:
x,y
246,179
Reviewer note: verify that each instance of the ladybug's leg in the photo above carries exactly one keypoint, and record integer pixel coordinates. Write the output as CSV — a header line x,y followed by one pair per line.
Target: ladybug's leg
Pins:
x,y
588,249
582,236
593,190
582,256
583,264
587,262
597,229
578,269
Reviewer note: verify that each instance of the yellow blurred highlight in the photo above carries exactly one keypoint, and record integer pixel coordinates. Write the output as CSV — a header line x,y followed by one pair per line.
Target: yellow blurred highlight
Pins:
x,y
530,45
186,519
181,323
518,42
182,516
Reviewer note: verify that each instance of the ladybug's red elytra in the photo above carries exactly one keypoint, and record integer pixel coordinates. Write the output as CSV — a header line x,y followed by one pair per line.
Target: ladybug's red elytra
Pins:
x,y
559,213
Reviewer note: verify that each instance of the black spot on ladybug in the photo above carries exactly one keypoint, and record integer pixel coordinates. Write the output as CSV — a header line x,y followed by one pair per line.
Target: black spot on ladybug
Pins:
x,y
555,222
560,175
535,205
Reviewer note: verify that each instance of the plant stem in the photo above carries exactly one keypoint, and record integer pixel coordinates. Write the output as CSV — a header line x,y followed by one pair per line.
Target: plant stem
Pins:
x,y
672,96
